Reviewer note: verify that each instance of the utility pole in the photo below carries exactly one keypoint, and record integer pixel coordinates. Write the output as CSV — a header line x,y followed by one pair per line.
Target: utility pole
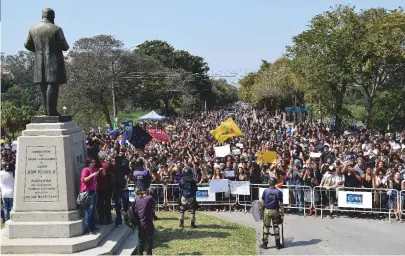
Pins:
x,y
113,91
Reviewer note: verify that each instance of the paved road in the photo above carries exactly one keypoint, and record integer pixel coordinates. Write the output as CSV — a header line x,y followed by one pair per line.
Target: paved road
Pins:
x,y
316,236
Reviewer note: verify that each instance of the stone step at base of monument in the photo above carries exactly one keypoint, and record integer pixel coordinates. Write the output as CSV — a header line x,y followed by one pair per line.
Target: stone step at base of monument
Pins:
x,y
129,245
49,229
53,245
111,243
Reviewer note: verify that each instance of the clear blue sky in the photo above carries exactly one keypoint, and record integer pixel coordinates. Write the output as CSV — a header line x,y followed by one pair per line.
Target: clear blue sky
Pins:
x,y
233,36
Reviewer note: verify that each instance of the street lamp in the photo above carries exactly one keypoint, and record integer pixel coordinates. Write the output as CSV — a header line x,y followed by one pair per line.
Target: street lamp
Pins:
x,y
64,110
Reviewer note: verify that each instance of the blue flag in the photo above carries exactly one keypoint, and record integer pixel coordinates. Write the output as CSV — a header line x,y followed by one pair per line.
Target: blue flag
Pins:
x,y
124,138
139,137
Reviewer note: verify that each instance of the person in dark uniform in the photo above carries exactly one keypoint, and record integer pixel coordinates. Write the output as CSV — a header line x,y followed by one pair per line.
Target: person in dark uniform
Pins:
x,y
142,179
188,190
272,209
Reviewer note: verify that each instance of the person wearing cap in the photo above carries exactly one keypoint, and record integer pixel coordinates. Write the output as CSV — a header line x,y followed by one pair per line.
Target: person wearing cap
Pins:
x,y
272,210
188,191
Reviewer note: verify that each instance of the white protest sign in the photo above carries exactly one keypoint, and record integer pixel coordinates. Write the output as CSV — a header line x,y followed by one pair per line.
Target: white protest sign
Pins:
x,y
315,155
219,186
239,145
240,187
286,195
222,151
236,151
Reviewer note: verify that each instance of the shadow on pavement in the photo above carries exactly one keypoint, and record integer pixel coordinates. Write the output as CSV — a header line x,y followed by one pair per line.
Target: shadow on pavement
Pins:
x,y
301,243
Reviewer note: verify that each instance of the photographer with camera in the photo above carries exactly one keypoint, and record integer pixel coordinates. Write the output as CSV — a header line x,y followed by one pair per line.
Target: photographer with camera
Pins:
x,y
7,186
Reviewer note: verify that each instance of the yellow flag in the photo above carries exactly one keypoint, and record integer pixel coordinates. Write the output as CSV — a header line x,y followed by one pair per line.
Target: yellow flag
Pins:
x,y
266,156
226,130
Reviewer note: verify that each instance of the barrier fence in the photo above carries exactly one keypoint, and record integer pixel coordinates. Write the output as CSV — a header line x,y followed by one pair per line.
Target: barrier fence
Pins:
x,y
360,200
402,201
301,198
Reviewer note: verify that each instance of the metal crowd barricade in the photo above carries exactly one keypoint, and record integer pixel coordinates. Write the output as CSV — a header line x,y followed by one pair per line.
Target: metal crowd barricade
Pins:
x,y
158,192
204,198
256,191
172,193
207,199
294,197
360,200
402,201
297,197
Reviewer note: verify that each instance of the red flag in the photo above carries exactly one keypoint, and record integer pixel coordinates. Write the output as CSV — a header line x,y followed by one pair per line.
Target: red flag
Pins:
x,y
158,134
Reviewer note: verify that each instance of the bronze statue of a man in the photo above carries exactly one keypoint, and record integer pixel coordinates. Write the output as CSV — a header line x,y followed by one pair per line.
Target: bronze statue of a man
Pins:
x,y
47,41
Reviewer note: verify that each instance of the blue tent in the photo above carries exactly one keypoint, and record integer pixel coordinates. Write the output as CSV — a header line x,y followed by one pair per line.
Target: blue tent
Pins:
x,y
152,116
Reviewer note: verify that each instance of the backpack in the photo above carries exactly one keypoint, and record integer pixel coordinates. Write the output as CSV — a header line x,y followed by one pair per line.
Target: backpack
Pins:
x,y
132,217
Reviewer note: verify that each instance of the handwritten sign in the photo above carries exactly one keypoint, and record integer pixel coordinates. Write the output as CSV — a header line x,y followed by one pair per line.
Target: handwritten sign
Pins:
x,y
240,187
218,186
222,151
41,175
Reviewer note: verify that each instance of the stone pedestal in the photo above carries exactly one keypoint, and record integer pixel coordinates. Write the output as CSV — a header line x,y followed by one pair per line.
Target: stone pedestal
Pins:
x,y
50,157
45,220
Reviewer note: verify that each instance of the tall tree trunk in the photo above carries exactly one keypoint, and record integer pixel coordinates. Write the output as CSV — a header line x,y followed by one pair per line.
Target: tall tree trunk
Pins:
x,y
166,102
338,110
106,113
369,110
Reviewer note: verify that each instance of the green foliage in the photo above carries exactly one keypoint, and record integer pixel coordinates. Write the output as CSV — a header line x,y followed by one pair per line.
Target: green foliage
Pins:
x,y
15,118
184,73
376,58
225,93
346,64
274,86
22,99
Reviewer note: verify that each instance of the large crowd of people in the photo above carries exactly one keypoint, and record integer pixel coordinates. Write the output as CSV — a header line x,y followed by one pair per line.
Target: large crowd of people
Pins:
x,y
355,157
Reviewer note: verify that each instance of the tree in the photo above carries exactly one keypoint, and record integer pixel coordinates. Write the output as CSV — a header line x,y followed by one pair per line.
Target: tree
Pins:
x,y
95,63
321,55
18,78
274,86
14,118
224,93
198,83
245,87
376,58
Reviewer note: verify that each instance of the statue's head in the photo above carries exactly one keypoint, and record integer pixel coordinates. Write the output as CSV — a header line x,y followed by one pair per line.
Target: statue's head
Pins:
x,y
48,14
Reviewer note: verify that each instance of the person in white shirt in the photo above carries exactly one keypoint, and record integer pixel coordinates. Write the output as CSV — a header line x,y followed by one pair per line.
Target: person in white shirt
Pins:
x,y
7,187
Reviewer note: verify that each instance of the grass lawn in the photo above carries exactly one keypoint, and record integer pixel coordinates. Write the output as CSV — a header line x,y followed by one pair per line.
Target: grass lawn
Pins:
x,y
212,237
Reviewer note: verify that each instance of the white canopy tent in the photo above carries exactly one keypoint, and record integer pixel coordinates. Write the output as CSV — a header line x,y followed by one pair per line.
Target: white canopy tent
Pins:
x,y
152,116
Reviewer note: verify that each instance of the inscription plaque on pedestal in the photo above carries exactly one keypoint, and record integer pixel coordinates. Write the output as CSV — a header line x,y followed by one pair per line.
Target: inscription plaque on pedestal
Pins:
x,y
41,175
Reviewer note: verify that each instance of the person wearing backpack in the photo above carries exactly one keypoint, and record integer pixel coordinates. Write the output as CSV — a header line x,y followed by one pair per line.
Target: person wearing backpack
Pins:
x,y
119,181
143,212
